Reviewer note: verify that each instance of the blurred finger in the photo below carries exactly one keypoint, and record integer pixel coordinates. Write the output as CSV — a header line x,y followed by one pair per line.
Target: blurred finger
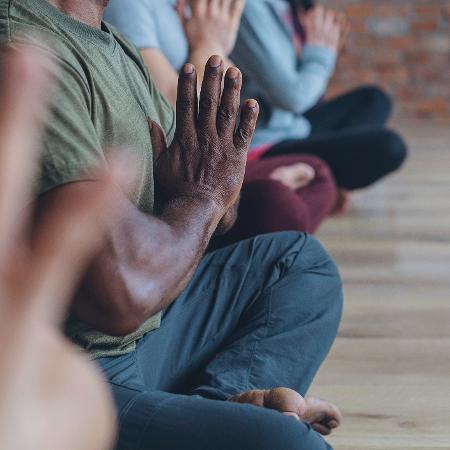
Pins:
x,y
198,7
24,84
318,13
181,10
236,10
329,20
214,8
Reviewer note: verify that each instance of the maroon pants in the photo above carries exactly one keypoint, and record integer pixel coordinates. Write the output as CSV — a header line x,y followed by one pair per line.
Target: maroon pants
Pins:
x,y
268,206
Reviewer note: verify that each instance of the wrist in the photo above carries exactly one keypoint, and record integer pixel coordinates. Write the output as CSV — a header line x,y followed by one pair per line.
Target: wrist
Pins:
x,y
199,204
205,50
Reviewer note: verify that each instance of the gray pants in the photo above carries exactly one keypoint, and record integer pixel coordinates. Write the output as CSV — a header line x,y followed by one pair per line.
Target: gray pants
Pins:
x,y
259,314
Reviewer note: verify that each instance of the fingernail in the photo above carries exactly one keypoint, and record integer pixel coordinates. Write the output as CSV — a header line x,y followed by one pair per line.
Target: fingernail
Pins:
x,y
233,73
253,104
188,69
215,61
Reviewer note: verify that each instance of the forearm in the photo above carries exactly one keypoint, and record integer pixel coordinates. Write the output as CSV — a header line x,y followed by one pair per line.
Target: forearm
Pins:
x,y
146,263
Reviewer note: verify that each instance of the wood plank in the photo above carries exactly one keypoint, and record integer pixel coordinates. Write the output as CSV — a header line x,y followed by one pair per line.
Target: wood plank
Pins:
x,y
390,368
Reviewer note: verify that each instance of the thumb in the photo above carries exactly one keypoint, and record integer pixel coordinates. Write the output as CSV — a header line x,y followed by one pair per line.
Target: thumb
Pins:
x,y
158,139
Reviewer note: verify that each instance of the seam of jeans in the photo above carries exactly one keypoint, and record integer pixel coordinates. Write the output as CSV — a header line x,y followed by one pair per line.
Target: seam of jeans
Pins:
x,y
257,341
148,422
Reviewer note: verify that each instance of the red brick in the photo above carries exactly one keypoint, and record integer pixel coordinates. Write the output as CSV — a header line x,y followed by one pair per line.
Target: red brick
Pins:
x,y
414,67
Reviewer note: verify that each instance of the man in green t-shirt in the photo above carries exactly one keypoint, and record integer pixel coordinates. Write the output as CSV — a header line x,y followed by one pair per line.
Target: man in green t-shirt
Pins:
x,y
190,343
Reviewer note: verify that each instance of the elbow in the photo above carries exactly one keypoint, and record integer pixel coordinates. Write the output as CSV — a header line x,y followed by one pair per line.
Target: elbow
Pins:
x,y
123,325
133,312
119,314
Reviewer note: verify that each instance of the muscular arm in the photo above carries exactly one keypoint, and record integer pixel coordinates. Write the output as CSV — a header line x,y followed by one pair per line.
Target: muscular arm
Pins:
x,y
146,261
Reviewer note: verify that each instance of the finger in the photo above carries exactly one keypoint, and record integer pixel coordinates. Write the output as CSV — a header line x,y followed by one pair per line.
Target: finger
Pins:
x,y
199,7
224,6
229,105
210,94
24,84
158,140
328,20
247,125
187,103
214,8
236,9
181,10
318,16
67,237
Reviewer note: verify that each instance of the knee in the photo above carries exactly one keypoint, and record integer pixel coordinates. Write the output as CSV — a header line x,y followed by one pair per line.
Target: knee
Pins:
x,y
376,98
394,151
270,190
324,284
279,208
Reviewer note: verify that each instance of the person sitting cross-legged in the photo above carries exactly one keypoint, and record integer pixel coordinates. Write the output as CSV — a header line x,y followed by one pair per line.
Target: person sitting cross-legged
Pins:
x,y
290,192
211,351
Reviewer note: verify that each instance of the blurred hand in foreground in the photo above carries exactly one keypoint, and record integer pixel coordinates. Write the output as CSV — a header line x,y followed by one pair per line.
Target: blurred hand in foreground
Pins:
x,y
51,396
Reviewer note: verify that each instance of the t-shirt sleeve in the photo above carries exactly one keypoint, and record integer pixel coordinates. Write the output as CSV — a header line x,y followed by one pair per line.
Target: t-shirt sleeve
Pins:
x,y
136,20
70,145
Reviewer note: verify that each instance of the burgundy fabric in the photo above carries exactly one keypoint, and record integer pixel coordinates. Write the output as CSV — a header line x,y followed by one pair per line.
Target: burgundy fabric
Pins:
x,y
268,206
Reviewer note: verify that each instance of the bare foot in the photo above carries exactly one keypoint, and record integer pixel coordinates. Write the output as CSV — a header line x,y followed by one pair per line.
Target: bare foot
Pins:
x,y
322,415
295,176
283,400
342,203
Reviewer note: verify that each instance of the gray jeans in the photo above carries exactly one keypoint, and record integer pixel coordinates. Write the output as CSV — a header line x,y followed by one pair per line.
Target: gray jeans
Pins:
x,y
259,314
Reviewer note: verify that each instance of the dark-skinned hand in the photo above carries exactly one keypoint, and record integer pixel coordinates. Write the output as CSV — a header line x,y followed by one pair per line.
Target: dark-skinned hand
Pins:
x,y
207,157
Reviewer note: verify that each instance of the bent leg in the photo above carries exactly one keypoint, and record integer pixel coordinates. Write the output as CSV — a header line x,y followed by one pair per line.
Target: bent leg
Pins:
x,y
161,421
268,206
356,158
259,314
367,106
286,330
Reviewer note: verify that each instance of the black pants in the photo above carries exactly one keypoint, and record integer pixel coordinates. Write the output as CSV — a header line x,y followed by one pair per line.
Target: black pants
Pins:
x,y
256,315
350,134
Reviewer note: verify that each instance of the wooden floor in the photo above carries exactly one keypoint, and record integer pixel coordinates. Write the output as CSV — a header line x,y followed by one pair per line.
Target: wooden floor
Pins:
x,y
390,368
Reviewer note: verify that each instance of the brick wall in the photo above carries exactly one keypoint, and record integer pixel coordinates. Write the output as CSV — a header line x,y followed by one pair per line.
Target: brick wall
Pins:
x,y
402,45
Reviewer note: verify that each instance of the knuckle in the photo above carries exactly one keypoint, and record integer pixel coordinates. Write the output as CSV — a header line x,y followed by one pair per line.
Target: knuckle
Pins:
x,y
208,102
244,134
227,115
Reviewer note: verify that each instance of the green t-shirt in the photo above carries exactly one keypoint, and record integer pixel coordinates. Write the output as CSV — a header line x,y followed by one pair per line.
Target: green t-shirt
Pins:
x,y
102,100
